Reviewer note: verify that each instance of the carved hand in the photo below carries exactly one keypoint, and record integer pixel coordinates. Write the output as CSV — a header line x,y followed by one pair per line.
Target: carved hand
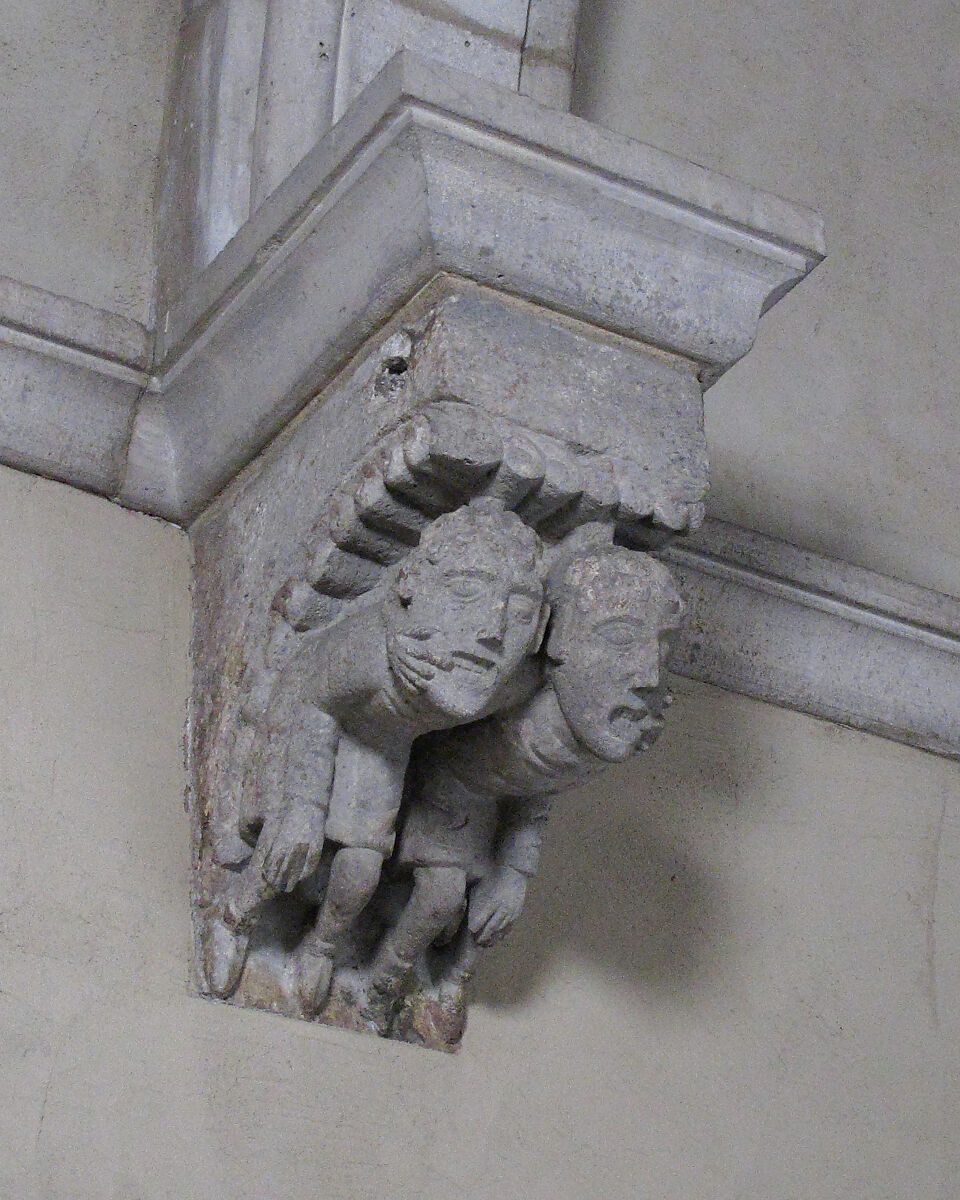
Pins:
x,y
495,903
294,852
412,663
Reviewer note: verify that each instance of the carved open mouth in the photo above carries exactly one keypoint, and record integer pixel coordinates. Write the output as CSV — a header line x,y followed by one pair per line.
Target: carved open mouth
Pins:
x,y
474,663
626,712
628,719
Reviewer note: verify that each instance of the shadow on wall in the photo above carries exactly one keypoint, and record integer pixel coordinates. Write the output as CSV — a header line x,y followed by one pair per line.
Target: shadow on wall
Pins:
x,y
632,877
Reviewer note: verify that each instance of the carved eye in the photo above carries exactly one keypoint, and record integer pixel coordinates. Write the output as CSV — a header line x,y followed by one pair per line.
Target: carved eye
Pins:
x,y
525,609
619,631
465,587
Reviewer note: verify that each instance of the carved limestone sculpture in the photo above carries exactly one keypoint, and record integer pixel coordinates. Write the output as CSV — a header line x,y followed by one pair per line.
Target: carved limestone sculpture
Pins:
x,y
383,703
430,643
411,620
438,642
478,796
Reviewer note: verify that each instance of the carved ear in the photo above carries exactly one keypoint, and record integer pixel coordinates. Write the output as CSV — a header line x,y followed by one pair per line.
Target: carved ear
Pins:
x,y
542,627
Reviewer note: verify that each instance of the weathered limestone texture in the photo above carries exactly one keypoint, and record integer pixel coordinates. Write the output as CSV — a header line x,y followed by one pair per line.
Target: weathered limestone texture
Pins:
x,y
499,451
479,333
479,796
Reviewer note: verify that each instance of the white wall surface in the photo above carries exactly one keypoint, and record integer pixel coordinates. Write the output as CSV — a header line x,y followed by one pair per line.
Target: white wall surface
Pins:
x,y
737,978
82,89
841,429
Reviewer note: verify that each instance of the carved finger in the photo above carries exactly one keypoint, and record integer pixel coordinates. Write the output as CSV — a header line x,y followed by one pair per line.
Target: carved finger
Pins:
x,y
497,927
410,681
416,664
487,935
414,682
479,916
413,648
295,863
312,861
273,868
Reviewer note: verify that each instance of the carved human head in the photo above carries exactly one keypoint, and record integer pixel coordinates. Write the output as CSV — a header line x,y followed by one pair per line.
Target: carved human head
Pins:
x,y
468,606
613,613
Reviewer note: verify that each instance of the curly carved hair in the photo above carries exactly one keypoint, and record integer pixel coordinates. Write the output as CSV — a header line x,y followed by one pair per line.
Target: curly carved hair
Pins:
x,y
481,529
576,581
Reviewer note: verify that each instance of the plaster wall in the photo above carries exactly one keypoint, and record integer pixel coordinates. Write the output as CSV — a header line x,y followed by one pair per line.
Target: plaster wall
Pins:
x,y
737,977
840,431
82,89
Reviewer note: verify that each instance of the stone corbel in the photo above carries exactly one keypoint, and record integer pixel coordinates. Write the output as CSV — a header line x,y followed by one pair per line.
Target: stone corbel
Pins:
x,y
373,783
428,395
428,607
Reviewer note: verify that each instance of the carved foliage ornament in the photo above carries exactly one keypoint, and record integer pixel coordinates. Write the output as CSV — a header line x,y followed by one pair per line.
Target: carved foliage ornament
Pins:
x,y
472,637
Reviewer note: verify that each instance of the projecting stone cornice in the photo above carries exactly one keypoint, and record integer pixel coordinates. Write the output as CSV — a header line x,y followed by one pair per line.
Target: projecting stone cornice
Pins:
x,y
431,171
647,229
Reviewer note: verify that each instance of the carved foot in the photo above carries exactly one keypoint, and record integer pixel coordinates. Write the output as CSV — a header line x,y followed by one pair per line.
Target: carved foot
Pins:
x,y
314,976
223,953
436,1021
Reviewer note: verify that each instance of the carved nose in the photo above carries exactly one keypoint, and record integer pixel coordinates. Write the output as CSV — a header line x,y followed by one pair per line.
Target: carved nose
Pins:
x,y
492,628
645,676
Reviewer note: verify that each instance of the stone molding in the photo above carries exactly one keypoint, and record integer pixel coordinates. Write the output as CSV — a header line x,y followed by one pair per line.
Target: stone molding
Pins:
x,y
73,377
567,215
432,172
78,333
822,637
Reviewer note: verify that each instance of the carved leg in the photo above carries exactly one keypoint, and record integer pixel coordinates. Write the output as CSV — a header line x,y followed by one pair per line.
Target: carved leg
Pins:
x,y
461,969
436,903
438,1018
354,876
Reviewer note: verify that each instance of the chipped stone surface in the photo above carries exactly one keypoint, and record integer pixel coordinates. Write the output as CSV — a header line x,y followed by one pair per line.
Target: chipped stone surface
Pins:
x,y
344,613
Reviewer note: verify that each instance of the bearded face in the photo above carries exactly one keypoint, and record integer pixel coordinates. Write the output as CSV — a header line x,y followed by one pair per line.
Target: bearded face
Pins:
x,y
469,612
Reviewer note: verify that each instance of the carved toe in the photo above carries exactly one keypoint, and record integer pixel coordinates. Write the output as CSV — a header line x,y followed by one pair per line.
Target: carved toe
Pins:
x,y
224,953
314,975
